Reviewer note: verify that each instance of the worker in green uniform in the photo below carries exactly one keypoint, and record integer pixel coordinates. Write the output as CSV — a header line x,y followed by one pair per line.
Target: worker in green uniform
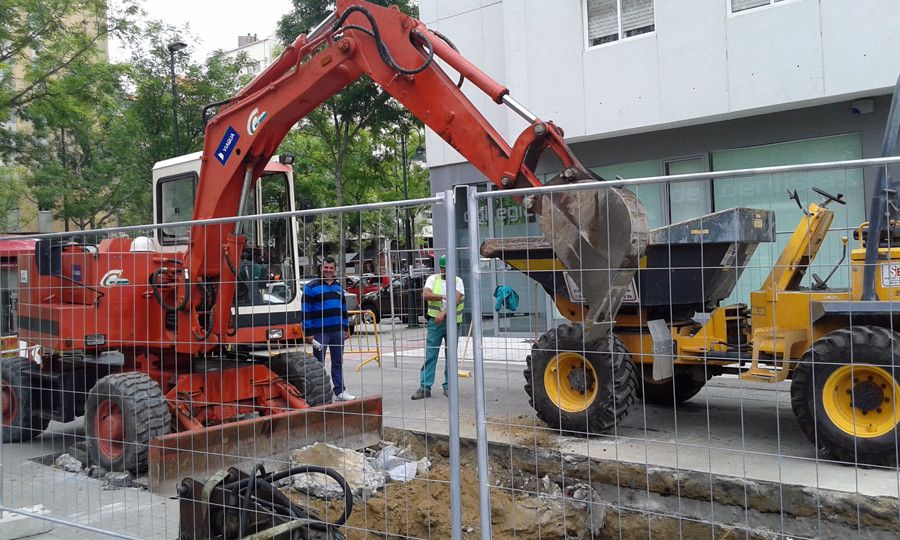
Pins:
x,y
435,295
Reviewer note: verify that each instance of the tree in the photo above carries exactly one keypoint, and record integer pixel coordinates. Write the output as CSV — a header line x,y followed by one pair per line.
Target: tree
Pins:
x,y
100,128
361,106
145,127
43,40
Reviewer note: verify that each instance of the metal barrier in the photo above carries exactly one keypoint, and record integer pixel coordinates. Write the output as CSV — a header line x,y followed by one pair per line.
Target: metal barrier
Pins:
x,y
663,432
696,419
364,339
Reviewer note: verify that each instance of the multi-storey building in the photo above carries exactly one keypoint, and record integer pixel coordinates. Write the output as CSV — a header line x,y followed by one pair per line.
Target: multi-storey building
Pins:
x,y
662,87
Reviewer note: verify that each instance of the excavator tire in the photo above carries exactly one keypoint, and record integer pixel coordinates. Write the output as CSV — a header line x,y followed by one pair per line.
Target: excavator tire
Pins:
x,y
686,382
123,413
306,374
578,391
844,394
19,421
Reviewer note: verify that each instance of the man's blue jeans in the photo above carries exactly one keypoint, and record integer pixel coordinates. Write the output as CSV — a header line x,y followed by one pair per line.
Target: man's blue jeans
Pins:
x,y
436,333
334,341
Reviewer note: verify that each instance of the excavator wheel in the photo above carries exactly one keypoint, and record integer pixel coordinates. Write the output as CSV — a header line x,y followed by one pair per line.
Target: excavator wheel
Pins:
x,y
20,423
844,394
579,391
306,374
686,382
123,413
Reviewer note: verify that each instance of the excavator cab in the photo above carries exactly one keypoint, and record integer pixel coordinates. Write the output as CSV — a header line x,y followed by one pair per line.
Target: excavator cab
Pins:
x,y
268,265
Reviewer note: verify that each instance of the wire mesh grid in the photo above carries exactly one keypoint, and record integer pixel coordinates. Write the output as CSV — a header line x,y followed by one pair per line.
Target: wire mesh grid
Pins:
x,y
732,396
155,391
659,431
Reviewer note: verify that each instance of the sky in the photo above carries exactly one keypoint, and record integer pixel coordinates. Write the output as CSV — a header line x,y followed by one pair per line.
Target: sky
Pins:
x,y
216,23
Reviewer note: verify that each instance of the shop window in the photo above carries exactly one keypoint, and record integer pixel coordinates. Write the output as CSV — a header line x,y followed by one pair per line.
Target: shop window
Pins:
x,y
649,194
770,193
612,20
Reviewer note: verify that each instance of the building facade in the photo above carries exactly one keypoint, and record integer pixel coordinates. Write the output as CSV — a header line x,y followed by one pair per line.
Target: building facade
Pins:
x,y
658,87
259,52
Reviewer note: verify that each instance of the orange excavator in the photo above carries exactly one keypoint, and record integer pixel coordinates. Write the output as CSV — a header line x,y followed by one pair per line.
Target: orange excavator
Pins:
x,y
143,341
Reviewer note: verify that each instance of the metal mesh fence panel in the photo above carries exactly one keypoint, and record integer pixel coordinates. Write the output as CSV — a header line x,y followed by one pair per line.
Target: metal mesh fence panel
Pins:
x,y
745,388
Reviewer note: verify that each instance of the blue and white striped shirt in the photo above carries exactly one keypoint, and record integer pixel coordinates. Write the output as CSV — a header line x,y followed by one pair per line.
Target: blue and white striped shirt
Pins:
x,y
324,308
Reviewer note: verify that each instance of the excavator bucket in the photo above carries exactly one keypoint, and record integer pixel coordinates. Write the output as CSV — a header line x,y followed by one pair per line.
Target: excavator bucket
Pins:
x,y
199,454
593,242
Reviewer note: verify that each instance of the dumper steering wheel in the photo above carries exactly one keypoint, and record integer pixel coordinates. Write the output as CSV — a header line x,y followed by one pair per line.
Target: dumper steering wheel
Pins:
x,y
829,197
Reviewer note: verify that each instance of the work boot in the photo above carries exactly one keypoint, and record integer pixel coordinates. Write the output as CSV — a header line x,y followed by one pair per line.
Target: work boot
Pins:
x,y
421,393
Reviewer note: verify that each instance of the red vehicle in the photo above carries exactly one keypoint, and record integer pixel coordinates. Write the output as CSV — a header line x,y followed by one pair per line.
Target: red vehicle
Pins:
x,y
371,284
144,341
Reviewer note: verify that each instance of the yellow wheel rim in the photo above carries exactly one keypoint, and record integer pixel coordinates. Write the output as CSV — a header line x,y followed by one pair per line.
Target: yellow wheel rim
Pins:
x,y
570,382
862,400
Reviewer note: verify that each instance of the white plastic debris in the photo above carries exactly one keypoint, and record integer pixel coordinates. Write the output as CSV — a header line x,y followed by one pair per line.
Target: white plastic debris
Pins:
x,y
363,479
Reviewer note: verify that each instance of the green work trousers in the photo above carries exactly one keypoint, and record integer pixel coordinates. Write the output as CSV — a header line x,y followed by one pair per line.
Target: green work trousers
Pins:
x,y
436,333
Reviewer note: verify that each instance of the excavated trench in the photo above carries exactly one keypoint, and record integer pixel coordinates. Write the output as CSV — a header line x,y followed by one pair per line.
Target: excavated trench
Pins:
x,y
541,493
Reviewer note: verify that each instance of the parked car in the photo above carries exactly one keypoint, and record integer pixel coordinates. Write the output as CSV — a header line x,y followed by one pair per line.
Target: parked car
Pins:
x,y
370,284
405,288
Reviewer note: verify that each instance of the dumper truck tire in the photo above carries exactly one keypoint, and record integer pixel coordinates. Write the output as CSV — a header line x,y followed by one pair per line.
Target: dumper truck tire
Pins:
x,y
306,374
686,383
123,413
20,423
844,395
578,391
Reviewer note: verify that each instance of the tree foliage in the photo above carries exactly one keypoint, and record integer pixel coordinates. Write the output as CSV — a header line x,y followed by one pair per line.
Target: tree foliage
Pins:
x,y
100,127
43,40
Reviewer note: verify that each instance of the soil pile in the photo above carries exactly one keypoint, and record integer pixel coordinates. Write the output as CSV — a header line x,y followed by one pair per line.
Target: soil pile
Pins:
x,y
420,508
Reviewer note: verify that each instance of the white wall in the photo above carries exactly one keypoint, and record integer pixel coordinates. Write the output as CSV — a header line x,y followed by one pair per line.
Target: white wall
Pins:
x,y
701,64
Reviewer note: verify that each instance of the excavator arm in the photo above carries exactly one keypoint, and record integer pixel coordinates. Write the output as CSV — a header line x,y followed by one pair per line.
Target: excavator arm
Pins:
x,y
399,53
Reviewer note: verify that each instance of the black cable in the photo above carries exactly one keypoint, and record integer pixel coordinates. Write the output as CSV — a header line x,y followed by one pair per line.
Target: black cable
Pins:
x,y
383,51
452,46
155,286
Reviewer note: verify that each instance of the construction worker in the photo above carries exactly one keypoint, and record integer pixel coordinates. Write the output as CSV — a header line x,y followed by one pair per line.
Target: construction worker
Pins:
x,y
325,320
435,296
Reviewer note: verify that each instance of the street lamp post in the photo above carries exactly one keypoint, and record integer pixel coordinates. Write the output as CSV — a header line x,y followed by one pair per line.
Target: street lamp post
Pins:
x,y
174,48
413,319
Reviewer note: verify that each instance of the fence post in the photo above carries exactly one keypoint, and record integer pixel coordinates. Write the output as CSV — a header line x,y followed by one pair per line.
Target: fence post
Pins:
x,y
474,299
452,367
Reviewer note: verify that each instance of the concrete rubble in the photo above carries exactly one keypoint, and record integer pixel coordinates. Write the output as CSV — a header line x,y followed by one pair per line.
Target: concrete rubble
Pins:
x,y
68,463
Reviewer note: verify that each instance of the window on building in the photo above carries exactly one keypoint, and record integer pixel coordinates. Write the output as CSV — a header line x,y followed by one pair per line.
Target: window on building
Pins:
x,y
612,20
743,5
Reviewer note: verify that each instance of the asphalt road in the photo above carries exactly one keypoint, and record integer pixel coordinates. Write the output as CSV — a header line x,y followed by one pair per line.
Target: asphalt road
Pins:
x,y
733,428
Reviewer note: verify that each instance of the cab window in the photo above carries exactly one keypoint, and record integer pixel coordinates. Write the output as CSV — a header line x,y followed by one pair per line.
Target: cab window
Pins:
x,y
176,203
266,275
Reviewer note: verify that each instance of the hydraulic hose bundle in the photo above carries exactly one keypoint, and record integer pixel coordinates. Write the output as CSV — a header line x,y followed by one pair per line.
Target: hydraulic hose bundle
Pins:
x,y
233,504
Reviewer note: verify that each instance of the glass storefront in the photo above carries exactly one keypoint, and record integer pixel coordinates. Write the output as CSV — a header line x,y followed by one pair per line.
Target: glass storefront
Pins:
x,y
667,204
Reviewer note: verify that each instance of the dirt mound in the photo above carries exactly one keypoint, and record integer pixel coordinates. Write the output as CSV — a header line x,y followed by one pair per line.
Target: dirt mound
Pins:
x,y
421,509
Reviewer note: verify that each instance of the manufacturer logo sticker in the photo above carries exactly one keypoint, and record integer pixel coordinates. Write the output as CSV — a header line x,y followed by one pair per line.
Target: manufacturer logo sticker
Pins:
x,y
226,146
890,275
113,278
254,120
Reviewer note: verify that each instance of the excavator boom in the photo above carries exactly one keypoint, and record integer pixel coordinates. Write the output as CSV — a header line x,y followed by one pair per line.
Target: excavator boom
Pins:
x,y
597,235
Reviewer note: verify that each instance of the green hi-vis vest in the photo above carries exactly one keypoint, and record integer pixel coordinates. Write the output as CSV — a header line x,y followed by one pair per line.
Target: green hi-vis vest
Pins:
x,y
434,306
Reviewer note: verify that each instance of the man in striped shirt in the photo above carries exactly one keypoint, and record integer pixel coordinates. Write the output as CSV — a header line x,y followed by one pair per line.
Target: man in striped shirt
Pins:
x,y
325,320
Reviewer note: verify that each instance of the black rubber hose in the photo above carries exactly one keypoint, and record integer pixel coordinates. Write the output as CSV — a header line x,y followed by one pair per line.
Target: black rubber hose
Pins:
x,y
383,51
452,46
348,493
155,287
